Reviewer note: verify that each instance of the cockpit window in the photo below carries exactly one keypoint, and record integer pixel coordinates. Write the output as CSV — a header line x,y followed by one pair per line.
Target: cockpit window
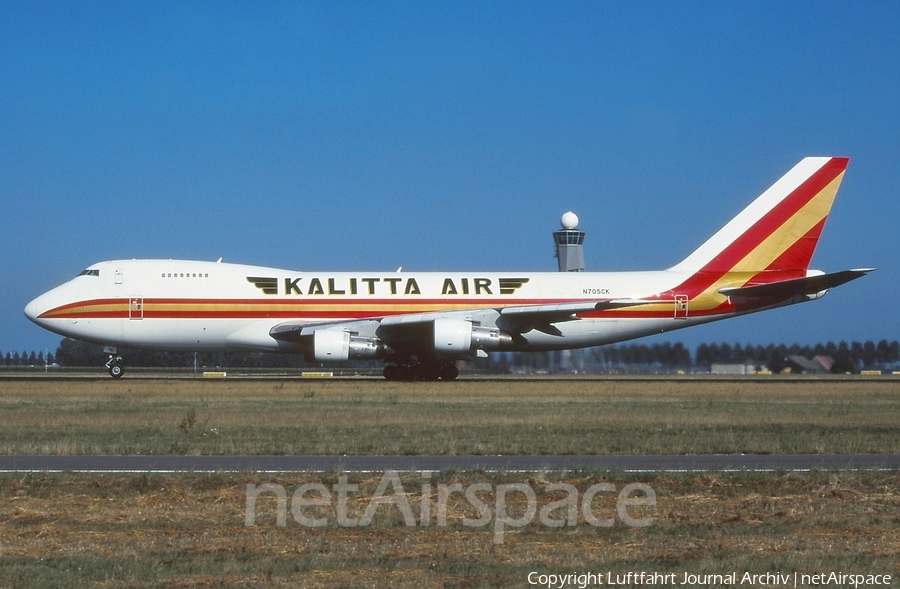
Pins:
x,y
90,272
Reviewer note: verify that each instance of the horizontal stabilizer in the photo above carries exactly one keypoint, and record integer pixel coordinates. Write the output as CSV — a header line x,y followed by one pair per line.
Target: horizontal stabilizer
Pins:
x,y
798,286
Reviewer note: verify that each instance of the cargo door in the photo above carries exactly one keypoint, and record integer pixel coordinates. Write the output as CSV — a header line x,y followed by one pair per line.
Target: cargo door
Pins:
x,y
136,308
681,306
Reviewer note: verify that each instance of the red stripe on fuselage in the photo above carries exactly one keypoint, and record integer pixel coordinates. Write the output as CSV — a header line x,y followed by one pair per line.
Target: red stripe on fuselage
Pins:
x,y
311,310
330,308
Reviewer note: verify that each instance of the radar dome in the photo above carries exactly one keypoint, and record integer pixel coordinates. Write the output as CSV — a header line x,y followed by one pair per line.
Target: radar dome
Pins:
x,y
569,220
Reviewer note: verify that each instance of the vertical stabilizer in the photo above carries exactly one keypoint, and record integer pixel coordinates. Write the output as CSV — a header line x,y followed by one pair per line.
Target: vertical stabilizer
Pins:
x,y
778,231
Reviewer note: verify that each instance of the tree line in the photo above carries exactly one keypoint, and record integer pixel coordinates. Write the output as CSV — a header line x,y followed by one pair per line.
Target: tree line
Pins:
x,y
26,359
846,357
666,356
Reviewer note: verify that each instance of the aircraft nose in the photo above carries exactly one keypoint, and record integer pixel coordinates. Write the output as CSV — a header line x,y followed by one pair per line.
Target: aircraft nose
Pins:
x,y
35,308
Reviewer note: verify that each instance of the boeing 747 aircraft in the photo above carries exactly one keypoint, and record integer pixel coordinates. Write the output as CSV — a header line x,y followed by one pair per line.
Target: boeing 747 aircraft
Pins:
x,y
419,324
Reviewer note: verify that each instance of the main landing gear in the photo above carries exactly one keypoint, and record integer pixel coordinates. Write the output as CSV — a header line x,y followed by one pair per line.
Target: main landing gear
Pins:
x,y
114,364
427,371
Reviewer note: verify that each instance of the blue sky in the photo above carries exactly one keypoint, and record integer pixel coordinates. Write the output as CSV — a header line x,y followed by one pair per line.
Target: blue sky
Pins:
x,y
442,136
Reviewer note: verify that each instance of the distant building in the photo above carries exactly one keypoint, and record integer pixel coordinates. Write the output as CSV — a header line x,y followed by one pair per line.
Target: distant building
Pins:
x,y
826,361
736,369
801,365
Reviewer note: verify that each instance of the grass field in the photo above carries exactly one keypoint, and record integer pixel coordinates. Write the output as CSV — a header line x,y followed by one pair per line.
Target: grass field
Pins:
x,y
573,416
113,531
190,530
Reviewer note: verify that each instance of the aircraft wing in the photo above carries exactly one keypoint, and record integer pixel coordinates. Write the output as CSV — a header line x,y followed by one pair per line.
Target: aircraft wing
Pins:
x,y
290,331
784,289
410,326
542,317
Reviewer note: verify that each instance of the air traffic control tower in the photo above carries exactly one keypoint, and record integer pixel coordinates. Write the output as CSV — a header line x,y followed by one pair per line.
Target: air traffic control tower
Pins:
x,y
569,244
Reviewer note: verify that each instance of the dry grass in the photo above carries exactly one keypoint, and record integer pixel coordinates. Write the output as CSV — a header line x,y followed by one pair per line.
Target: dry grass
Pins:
x,y
111,531
188,531
147,416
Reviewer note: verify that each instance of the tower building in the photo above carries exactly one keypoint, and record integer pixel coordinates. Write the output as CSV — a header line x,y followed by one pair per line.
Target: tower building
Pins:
x,y
569,242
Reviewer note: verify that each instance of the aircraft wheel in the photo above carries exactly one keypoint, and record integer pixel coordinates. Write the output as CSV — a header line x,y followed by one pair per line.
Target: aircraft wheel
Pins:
x,y
399,372
449,372
116,370
428,372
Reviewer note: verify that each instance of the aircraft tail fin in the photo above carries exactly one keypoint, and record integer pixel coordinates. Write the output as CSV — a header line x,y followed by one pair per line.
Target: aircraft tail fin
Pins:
x,y
777,233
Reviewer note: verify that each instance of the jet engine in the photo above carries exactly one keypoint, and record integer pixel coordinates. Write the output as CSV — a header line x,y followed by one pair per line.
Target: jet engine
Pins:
x,y
333,345
454,337
458,336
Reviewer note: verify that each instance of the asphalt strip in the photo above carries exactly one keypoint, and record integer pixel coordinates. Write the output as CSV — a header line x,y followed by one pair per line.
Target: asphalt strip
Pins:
x,y
357,463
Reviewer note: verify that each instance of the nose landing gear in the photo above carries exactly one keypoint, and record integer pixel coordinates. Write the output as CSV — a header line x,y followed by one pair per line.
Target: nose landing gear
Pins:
x,y
114,364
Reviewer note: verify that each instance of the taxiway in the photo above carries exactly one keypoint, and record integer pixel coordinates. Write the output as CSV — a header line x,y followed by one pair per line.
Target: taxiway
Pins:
x,y
510,463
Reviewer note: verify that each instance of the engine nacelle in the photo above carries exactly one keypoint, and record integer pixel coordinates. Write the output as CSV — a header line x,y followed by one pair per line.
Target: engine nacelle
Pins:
x,y
333,345
458,336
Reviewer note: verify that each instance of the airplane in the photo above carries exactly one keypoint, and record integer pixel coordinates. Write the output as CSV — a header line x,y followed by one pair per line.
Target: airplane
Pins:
x,y
420,324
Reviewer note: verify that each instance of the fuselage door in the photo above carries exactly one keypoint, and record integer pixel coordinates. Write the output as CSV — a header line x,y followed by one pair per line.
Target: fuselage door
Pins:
x,y
136,308
681,306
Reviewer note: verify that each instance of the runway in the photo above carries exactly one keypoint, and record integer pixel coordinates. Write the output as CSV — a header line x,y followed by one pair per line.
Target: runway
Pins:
x,y
287,464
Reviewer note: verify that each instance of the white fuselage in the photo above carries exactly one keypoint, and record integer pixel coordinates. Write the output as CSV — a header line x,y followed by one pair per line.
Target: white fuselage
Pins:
x,y
195,305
